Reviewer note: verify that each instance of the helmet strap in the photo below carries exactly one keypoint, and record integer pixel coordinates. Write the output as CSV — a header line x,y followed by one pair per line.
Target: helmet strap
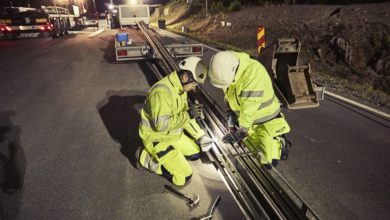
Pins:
x,y
189,75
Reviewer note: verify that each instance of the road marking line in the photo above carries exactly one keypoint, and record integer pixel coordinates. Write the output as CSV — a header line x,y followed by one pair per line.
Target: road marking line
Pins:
x,y
365,107
212,48
94,34
79,32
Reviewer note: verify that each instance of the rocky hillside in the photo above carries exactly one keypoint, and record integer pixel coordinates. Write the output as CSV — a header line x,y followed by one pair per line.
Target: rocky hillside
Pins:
x,y
348,46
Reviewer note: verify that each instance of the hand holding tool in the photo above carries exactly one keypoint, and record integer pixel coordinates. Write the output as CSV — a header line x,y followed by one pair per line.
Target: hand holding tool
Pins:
x,y
235,136
196,110
231,119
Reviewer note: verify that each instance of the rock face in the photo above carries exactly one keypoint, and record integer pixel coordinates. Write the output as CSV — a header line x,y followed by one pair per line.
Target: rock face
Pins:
x,y
352,56
382,66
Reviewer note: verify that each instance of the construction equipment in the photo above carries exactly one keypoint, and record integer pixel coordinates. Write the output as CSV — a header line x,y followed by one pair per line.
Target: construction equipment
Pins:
x,y
131,45
136,47
192,202
130,15
293,82
129,49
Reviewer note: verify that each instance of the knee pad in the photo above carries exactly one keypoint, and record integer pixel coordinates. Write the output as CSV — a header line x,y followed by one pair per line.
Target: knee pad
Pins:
x,y
193,157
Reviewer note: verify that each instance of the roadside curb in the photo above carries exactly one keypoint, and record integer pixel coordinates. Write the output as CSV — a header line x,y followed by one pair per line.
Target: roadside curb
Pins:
x,y
94,34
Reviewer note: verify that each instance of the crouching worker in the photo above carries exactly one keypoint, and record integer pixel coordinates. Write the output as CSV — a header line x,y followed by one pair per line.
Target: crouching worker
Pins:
x,y
165,116
254,115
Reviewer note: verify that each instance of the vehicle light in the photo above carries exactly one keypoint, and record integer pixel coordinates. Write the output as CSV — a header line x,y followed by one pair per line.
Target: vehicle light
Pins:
x,y
196,49
42,28
122,52
46,27
8,28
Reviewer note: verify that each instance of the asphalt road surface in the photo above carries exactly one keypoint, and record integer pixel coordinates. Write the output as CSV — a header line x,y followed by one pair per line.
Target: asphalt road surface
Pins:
x,y
70,122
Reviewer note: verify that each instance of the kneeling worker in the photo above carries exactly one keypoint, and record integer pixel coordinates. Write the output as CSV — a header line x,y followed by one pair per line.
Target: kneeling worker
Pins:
x,y
253,109
164,116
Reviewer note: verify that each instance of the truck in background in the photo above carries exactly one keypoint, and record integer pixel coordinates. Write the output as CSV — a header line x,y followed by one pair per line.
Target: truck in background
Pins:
x,y
130,15
21,22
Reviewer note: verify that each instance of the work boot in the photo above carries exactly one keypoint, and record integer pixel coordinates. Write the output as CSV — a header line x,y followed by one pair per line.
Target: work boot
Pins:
x,y
268,166
138,153
275,162
285,151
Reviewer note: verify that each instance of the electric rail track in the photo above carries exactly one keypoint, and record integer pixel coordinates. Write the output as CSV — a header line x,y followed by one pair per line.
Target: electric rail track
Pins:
x,y
260,193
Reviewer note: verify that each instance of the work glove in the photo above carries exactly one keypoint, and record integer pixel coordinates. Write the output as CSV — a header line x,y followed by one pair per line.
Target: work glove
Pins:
x,y
205,143
235,136
231,119
196,111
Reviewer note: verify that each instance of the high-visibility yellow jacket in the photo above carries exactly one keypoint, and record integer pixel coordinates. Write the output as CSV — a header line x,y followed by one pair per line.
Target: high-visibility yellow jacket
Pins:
x,y
251,95
164,114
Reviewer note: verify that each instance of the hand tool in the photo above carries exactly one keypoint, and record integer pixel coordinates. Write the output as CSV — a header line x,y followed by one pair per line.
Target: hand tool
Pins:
x,y
210,214
192,202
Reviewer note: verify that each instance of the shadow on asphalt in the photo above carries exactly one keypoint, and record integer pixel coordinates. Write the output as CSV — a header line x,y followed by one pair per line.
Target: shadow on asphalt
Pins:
x,y
119,112
109,51
12,166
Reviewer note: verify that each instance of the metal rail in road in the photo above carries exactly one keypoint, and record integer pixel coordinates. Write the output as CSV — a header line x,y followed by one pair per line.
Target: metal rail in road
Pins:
x,y
260,193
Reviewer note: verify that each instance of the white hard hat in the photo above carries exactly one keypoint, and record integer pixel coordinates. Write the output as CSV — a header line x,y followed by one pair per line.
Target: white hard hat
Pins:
x,y
223,67
193,64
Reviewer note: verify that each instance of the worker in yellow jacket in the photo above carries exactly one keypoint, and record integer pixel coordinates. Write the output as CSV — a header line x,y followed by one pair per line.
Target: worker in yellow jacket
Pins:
x,y
164,117
254,115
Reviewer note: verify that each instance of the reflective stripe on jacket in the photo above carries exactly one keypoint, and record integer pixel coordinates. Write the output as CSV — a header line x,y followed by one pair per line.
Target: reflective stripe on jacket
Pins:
x,y
251,95
164,114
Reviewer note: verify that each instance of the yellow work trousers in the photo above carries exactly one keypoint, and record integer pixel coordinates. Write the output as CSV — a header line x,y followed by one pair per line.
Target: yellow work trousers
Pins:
x,y
264,137
170,156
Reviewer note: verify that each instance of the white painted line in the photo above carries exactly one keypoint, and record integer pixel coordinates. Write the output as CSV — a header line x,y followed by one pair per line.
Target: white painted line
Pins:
x,y
365,107
79,32
94,34
212,48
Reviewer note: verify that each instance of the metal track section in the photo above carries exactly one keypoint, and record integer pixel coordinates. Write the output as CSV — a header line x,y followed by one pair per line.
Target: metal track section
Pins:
x,y
168,62
260,193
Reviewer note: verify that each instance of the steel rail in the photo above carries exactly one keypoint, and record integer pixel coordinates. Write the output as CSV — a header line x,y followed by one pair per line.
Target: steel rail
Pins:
x,y
255,189
259,175
274,198
168,61
240,190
